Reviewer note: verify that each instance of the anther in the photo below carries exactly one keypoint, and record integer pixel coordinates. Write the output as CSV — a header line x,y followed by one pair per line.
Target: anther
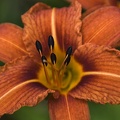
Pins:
x,y
50,42
69,51
44,60
53,58
38,46
67,61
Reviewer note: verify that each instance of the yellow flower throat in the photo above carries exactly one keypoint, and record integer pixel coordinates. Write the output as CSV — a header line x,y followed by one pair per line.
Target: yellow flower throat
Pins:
x,y
62,72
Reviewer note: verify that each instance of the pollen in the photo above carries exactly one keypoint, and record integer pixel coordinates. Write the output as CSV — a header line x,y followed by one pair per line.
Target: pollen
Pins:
x,y
60,70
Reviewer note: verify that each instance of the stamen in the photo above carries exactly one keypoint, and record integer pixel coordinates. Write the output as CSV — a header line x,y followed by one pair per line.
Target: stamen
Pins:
x,y
53,58
38,46
69,51
56,72
51,42
44,60
67,60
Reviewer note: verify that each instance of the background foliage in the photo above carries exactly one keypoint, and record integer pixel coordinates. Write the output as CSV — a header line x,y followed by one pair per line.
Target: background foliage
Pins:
x,y
11,11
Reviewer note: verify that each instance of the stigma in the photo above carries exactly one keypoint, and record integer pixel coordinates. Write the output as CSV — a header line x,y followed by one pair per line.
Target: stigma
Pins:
x,y
56,72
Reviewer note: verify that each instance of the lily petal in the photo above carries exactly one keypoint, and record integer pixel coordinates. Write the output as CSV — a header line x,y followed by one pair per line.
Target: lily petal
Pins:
x,y
91,3
19,85
41,21
101,81
37,27
102,26
11,44
68,108
68,26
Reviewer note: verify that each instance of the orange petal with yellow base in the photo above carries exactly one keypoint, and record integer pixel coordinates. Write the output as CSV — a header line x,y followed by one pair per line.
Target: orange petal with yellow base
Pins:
x,y
19,85
101,77
41,21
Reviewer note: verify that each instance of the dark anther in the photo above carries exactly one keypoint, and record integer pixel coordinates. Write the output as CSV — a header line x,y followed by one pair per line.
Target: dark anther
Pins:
x,y
67,61
50,42
38,46
53,58
69,51
44,60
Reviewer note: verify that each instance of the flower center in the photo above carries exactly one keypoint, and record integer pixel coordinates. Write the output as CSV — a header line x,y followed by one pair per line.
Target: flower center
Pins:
x,y
59,72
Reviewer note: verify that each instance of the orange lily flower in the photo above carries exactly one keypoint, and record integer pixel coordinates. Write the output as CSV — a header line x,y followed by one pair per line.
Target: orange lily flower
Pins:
x,y
92,3
49,56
